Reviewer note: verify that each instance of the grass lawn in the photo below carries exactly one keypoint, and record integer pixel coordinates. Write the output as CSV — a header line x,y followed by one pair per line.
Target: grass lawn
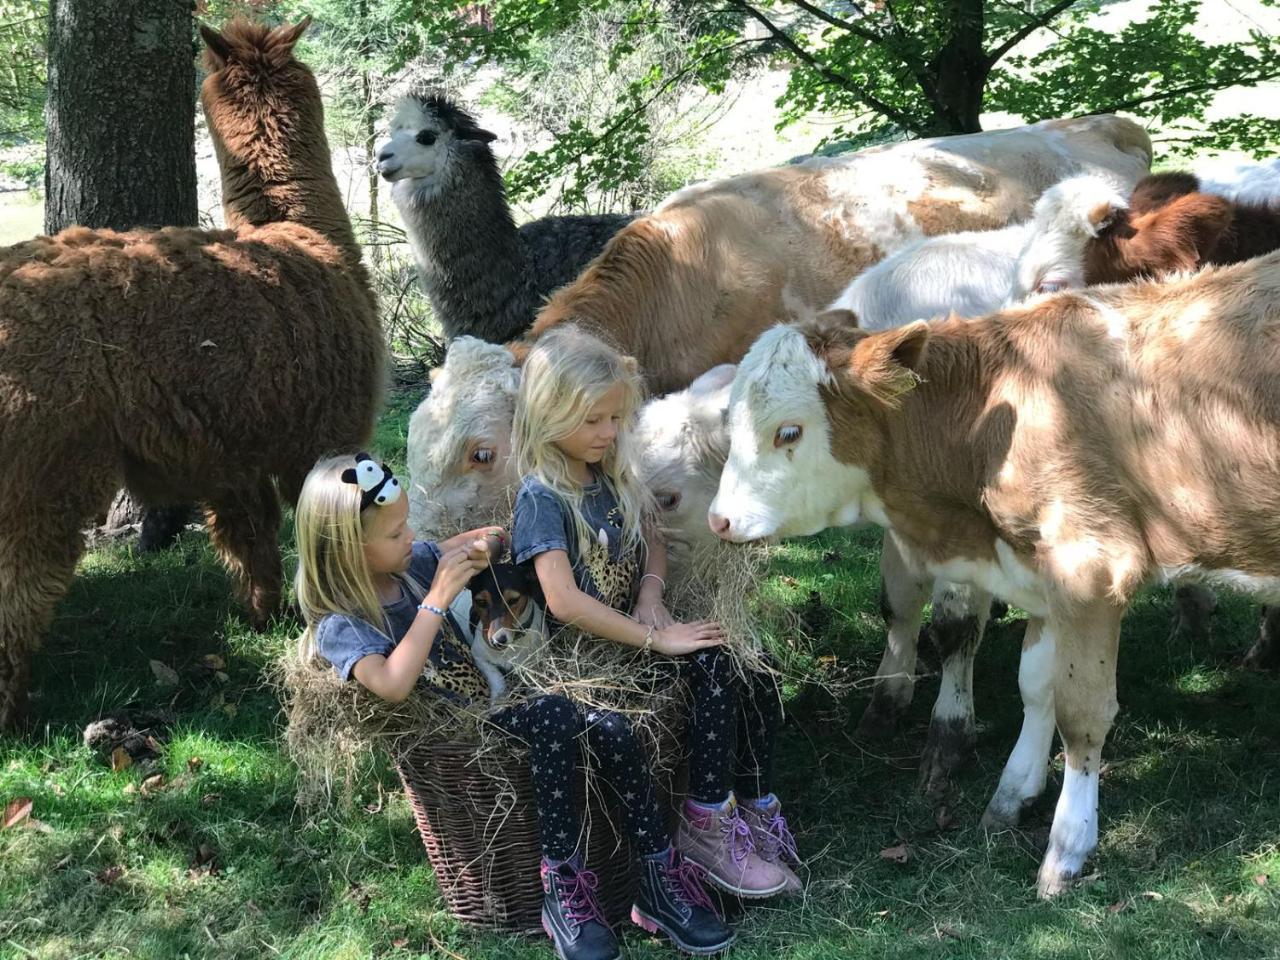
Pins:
x,y
220,863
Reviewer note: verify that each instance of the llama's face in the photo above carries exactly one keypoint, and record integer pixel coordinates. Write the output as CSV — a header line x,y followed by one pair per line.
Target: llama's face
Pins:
x,y
423,134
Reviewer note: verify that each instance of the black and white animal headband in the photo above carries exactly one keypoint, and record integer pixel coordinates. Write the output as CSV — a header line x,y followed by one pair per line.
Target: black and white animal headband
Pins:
x,y
377,484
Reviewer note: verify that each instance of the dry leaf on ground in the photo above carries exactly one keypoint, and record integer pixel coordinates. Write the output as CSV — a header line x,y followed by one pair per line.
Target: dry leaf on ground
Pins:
x,y
898,854
120,759
15,812
165,675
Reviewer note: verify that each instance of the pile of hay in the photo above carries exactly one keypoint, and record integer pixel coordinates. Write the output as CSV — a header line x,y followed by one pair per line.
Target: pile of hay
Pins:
x,y
338,731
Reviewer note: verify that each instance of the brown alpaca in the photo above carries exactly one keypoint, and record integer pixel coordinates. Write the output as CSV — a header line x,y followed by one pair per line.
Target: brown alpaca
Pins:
x,y
189,365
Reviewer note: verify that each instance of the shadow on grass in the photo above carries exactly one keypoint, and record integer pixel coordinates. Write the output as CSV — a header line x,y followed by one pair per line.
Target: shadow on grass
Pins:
x,y
1188,809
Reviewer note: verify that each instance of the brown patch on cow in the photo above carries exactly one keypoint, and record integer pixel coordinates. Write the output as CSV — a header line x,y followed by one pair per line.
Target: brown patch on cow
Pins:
x,y
1180,235
936,216
1159,189
1170,226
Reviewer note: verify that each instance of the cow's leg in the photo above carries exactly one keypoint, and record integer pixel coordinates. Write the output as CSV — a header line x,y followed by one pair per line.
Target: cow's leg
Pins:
x,y
1193,606
1265,652
960,615
1028,767
903,593
1085,699
245,529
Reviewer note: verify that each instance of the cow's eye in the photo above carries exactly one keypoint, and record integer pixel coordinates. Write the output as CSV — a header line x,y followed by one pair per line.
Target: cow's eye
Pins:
x,y
788,434
667,499
426,137
1051,286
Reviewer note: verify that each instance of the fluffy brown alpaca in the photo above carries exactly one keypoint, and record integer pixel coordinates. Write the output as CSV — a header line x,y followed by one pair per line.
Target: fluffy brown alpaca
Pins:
x,y
191,365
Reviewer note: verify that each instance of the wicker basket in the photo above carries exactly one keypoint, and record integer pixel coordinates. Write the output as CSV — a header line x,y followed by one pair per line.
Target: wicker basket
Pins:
x,y
477,819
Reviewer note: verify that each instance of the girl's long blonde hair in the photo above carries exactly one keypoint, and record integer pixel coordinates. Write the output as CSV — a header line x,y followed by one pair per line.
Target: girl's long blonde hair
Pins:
x,y
567,371
333,574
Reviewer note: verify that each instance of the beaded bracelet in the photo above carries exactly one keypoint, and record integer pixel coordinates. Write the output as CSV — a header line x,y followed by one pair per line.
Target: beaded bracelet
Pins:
x,y
431,608
648,640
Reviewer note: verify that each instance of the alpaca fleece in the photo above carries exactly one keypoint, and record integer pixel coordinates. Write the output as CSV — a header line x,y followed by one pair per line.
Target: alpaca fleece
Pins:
x,y
189,365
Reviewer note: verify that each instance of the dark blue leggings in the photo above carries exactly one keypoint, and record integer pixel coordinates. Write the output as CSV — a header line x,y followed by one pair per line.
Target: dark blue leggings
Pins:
x,y
723,704
556,730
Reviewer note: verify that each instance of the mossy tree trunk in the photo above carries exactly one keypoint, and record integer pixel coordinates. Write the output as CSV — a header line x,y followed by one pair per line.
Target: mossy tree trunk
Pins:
x,y
120,135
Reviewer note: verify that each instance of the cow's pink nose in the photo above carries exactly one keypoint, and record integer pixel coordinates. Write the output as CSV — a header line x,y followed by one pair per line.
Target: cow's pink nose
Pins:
x,y
719,525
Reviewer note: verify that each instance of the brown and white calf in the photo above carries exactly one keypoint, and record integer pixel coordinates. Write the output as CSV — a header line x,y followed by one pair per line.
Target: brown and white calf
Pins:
x,y
684,440
1095,441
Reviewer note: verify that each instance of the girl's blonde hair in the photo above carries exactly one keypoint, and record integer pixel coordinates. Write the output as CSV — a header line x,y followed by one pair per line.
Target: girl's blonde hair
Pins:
x,y
565,374
333,574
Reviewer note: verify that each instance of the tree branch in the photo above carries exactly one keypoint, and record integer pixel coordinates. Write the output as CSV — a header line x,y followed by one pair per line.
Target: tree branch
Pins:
x,y
1180,91
869,35
879,106
1028,28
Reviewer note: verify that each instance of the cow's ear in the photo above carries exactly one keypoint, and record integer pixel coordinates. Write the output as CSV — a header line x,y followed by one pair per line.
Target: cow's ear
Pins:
x,y
887,365
709,395
1102,215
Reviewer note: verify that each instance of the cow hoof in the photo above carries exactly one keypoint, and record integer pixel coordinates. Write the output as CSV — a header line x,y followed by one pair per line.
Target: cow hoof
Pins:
x,y
1002,813
879,721
1052,883
949,747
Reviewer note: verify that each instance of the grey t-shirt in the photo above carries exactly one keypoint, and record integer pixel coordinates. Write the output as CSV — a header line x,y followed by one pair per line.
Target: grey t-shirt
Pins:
x,y
543,522
344,640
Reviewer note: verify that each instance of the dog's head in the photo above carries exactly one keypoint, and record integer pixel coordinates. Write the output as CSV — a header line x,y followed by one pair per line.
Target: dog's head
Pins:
x,y
506,600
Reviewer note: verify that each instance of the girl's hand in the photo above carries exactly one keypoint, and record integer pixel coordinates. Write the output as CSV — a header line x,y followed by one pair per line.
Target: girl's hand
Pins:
x,y
654,613
454,572
681,638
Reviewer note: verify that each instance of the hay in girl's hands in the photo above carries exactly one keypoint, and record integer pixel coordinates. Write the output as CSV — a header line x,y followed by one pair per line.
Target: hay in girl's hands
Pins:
x,y
336,729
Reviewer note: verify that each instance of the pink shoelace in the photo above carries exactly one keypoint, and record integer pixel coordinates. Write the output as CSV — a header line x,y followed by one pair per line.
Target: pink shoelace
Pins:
x,y
737,834
687,883
579,897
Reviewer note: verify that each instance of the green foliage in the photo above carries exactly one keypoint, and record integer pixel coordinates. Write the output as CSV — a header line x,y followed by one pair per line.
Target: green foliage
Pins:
x,y
890,68
1153,68
24,27
30,170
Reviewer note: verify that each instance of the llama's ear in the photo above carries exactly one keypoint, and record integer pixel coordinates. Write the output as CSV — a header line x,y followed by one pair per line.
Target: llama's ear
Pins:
x,y
281,40
435,373
630,365
219,51
287,35
478,134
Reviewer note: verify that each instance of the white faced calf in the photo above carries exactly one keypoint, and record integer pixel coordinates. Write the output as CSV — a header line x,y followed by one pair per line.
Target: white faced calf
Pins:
x,y
1086,459
459,443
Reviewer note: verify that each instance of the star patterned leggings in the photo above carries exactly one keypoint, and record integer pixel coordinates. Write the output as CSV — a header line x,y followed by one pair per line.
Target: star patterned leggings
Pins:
x,y
723,705
555,729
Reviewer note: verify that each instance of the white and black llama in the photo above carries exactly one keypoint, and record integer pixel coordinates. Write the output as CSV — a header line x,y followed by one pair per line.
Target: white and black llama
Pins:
x,y
484,277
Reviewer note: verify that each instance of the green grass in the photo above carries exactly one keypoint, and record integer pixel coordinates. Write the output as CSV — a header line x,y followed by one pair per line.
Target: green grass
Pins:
x,y
1190,814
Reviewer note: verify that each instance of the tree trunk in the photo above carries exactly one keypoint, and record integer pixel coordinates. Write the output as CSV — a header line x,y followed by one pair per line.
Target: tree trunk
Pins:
x,y
959,71
120,126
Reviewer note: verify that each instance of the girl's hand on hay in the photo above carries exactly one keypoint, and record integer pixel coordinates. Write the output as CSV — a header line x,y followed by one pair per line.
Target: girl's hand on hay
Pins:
x,y
681,638
455,570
